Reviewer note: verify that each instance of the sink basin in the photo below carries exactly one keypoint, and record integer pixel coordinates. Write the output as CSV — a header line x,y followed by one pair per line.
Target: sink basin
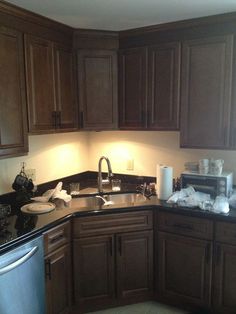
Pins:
x,y
113,199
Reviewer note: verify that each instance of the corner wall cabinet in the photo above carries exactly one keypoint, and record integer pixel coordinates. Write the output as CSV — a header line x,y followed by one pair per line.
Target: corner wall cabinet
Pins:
x,y
50,86
149,83
97,85
13,122
206,92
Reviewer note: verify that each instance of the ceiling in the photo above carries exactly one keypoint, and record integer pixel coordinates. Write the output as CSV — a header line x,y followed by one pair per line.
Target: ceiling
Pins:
x,y
116,15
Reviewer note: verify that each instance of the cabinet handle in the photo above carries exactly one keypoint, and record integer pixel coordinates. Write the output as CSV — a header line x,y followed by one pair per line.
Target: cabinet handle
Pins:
x,y
208,248
183,226
119,246
56,237
81,119
111,247
59,119
54,119
48,269
218,253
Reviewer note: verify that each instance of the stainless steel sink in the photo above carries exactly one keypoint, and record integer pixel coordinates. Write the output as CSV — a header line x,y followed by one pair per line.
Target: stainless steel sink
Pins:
x,y
107,200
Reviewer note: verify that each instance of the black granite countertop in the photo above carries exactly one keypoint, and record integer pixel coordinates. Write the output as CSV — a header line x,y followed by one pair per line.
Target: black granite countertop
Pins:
x,y
22,227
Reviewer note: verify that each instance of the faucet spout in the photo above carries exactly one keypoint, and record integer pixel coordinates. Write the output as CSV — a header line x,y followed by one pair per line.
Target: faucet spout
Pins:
x,y
102,181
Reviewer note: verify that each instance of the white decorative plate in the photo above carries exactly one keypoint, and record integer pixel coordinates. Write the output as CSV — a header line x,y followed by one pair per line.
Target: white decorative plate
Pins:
x,y
37,208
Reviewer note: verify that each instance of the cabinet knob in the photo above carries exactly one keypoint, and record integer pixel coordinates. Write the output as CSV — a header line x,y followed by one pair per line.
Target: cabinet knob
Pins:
x,y
54,119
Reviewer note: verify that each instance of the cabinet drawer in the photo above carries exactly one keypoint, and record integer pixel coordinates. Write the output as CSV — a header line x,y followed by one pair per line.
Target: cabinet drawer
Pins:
x,y
226,232
185,225
139,220
57,237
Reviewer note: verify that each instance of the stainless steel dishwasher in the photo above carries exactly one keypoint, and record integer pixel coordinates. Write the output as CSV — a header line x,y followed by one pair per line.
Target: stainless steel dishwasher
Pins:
x,y
22,287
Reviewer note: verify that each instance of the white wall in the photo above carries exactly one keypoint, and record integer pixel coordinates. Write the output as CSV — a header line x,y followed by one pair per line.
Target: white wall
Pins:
x,y
59,155
53,156
149,149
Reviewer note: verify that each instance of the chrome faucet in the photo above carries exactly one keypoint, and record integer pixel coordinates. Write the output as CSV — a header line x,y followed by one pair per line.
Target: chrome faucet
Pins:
x,y
102,181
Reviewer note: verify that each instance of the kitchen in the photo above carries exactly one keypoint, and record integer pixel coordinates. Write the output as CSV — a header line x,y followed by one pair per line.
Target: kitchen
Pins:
x,y
81,150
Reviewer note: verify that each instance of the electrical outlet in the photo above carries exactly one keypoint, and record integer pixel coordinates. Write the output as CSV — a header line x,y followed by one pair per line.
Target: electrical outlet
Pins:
x,y
130,164
31,174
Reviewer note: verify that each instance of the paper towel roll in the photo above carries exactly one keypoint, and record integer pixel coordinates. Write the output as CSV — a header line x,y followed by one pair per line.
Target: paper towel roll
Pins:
x,y
164,182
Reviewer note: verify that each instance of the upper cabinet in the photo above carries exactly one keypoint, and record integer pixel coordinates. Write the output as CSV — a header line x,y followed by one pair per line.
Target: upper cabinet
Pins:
x,y
164,86
132,88
149,83
13,123
50,86
206,92
97,84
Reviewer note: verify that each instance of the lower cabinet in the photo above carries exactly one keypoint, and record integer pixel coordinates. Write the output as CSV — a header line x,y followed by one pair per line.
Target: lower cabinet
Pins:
x,y
58,281
184,251
185,268
225,268
57,247
114,268
94,269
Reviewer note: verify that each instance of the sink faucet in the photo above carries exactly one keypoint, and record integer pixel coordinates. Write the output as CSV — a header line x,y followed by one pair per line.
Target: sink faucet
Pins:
x,y
102,181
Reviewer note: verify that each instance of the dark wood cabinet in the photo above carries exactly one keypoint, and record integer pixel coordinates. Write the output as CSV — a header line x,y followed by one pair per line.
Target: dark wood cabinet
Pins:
x,y
94,270
149,84
184,251
133,88
163,86
50,86
206,92
224,283
58,281
185,269
97,79
13,122
225,278
134,253
58,269
113,262
65,82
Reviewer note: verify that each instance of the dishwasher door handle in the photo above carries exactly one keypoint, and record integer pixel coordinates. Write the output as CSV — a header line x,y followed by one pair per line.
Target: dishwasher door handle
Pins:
x,y
19,261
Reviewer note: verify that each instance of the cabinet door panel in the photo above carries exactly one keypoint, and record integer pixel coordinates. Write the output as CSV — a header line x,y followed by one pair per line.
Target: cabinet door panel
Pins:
x,y
97,72
93,270
13,125
65,88
185,266
40,84
163,86
206,92
58,285
133,88
134,264
225,278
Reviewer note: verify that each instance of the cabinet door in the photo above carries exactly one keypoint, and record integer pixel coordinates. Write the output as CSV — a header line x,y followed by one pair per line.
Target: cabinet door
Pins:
x,y
13,124
58,281
206,92
40,84
164,86
225,278
93,271
184,269
97,73
134,264
133,88
67,112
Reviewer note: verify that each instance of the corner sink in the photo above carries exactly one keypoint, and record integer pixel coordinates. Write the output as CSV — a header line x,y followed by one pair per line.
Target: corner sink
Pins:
x,y
106,200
